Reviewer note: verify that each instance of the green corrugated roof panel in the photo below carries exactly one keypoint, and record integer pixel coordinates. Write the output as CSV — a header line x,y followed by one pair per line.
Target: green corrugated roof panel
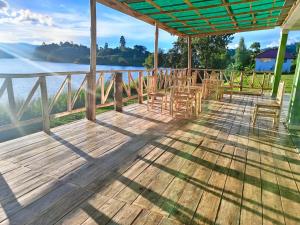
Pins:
x,y
212,16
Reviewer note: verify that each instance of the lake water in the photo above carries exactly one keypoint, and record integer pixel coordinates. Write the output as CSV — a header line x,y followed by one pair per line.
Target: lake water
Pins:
x,y
22,87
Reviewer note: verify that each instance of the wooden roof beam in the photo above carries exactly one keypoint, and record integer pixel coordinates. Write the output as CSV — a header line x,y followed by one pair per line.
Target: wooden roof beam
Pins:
x,y
292,21
252,28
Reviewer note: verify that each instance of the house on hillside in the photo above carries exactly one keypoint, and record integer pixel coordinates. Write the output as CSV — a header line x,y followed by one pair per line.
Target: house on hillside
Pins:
x,y
266,61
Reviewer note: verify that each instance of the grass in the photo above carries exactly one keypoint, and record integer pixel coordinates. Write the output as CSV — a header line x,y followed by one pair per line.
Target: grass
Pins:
x,y
288,78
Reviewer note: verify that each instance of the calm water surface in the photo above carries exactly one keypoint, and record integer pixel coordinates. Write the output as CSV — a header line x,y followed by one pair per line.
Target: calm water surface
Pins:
x,y
22,86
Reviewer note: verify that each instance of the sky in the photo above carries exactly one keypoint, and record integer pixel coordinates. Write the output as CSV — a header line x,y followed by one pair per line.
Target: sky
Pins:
x,y
37,21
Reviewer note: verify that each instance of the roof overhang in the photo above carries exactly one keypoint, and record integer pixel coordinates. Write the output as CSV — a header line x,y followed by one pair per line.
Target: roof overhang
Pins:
x,y
206,17
292,21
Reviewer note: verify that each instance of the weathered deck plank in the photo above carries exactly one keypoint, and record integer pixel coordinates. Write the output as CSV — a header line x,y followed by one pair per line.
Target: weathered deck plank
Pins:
x,y
140,167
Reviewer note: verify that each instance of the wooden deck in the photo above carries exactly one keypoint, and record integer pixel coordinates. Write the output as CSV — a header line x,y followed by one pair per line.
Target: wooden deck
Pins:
x,y
141,167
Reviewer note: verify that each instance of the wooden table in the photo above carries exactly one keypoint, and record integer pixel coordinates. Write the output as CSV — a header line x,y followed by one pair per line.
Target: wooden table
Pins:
x,y
195,90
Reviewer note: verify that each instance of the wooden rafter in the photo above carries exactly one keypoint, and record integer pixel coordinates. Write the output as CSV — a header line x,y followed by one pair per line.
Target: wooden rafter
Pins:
x,y
194,8
224,23
199,14
284,9
230,14
169,14
127,10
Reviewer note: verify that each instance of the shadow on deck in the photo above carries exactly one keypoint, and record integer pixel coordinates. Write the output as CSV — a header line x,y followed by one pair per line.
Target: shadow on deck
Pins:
x,y
140,167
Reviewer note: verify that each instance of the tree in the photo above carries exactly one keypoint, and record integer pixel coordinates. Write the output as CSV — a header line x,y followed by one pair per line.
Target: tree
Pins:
x,y
122,42
242,55
255,50
255,47
211,50
106,46
149,61
207,52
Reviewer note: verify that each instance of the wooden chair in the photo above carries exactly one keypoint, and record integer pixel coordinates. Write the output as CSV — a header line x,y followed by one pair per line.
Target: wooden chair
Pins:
x,y
228,87
194,79
154,97
213,88
182,101
270,109
214,76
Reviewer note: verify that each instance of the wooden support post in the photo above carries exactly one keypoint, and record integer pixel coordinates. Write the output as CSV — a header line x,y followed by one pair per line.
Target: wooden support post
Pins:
x,y
118,92
189,55
279,62
45,105
91,77
156,49
141,87
156,53
293,118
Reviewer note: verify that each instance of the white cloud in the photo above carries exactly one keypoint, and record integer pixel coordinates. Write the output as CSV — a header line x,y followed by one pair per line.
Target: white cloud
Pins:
x,y
23,25
273,44
233,45
12,16
3,4
3,7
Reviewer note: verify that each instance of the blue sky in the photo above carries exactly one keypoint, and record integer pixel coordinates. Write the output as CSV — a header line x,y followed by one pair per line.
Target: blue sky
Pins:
x,y
37,21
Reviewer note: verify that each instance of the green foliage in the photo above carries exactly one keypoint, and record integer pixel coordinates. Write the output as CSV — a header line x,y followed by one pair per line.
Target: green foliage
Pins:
x,y
122,42
162,58
207,52
69,52
242,55
255,50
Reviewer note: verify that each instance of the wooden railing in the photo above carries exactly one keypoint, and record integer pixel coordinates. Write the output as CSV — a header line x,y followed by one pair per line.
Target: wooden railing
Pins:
x,y
240,79
134,84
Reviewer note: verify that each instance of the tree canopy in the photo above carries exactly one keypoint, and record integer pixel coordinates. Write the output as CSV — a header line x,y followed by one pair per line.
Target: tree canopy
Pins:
x,y
242,55
68,52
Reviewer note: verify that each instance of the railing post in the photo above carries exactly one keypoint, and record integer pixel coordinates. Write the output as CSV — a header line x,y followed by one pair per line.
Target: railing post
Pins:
x,y
45,105
102,87
129,84
141,87
253,80
263,84
241,81
69,93
118,92
11,99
